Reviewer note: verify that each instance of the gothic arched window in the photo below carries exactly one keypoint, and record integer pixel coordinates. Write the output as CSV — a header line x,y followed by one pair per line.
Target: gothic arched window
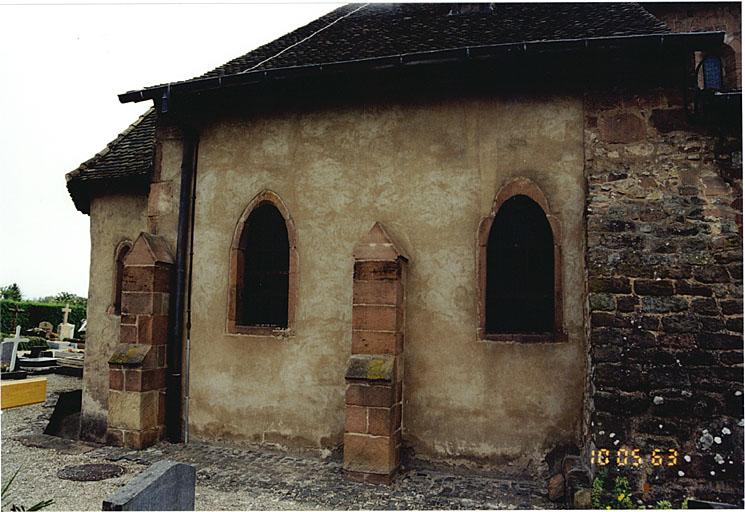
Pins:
x,y
262,269
520,268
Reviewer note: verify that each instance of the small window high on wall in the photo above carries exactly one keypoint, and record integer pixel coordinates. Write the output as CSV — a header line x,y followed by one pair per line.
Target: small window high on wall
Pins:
x,y
712,72
266,265
520,270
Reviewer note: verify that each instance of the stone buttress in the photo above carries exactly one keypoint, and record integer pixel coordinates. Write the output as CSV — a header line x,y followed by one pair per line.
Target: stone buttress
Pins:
x,y
137,369
372,438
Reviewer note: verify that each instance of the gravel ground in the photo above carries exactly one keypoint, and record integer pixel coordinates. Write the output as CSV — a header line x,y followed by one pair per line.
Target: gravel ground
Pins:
x,y
37,479
230,478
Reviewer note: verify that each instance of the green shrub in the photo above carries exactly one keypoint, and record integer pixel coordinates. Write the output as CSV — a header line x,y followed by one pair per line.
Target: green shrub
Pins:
x,y
34,312
33,341
610,493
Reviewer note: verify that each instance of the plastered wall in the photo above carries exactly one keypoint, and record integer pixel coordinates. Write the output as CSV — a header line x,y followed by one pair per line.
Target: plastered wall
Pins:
x,y
429,172
113,218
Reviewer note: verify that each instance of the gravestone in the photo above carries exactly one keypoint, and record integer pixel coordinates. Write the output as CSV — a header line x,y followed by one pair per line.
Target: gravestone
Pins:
x,y
10,350
65,419
38,360
8,355
165,485
66,330
47,327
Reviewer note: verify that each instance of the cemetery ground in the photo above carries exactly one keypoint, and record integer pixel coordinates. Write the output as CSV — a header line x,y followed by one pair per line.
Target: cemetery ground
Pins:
x,y
232,478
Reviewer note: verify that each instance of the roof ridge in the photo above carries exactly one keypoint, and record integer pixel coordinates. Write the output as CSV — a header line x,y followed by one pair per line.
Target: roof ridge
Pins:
x,y
89,164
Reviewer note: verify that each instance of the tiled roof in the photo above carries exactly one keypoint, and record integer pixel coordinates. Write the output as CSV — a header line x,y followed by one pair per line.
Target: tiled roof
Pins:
x,y
128,157
360,31
364,31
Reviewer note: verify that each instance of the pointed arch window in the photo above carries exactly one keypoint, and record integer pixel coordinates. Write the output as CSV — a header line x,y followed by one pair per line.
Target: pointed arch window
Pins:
x,y
263,269
121,251
520,268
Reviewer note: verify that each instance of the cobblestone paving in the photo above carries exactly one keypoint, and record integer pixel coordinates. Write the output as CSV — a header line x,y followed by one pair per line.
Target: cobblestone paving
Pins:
x,y
313,483
230,478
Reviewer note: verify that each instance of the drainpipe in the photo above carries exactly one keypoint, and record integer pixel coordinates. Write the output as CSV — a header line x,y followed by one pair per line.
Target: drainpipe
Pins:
x,y
175,424
187,352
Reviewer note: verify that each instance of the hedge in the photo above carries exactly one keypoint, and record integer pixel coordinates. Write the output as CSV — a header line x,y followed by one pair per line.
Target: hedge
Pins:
x,y
32,313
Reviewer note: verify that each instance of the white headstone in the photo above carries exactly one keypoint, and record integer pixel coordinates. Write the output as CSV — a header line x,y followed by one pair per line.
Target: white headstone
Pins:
x,y
66,330
66,310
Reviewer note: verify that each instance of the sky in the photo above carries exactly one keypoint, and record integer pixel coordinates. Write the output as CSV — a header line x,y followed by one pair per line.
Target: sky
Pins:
x,y
61,68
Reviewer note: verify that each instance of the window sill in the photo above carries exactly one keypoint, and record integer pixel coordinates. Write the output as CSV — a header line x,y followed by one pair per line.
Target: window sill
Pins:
x,y
260,330
525,337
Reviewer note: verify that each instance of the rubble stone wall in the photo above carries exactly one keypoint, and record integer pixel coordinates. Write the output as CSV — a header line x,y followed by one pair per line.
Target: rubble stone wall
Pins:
x,y
664,263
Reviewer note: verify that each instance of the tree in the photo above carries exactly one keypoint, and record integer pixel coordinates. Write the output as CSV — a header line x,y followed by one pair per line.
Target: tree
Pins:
x,y
11,292
70,298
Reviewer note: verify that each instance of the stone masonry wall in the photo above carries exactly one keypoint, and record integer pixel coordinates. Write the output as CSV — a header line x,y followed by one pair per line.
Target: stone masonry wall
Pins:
x,y
664,263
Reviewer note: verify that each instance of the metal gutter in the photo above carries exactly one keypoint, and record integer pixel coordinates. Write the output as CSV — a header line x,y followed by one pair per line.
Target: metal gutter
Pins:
x,y
689,40
174,355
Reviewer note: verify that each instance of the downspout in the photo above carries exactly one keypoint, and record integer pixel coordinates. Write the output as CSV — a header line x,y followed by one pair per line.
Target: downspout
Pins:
x,y
187,352
174,427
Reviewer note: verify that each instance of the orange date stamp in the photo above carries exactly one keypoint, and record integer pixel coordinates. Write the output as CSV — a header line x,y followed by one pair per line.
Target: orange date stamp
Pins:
x,y
633,457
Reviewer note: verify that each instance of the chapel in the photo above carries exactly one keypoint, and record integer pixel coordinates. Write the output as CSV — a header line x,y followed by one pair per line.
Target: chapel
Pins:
x,y
497,233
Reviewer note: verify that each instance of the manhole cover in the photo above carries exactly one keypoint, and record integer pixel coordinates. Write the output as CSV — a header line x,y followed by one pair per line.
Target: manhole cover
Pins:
x,y
90,472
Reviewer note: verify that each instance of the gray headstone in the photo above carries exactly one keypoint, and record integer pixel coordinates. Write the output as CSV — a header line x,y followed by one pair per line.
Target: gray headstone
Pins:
x,y
8,350
165,485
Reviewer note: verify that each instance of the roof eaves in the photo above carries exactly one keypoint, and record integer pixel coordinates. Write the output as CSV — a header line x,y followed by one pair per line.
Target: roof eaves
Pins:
x,y
90,163
81,180
692,40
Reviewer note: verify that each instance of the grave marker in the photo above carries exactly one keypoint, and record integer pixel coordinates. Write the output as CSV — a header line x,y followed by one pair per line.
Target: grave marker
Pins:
x,y
9,350
13,308
165,485
47,327
66,330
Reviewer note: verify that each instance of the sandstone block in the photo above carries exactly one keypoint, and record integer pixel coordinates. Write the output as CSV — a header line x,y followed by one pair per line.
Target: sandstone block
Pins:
x,y
369,454
129,410
375,318
376,342
621,127
369,395
355,419
377,270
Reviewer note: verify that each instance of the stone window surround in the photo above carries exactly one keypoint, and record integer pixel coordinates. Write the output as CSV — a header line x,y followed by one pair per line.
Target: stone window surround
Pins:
x,y
515,187
236,269
115,307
